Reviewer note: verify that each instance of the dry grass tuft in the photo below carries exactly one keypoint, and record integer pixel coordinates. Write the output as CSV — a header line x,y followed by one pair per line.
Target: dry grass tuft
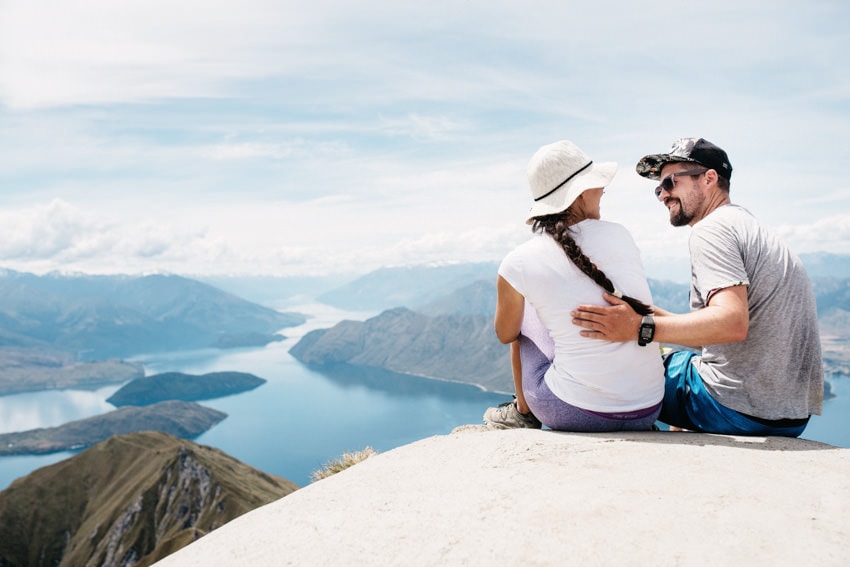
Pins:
x,y
342,463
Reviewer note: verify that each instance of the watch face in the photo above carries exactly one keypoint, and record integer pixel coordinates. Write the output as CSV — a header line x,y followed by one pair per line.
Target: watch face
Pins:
x,y
647,331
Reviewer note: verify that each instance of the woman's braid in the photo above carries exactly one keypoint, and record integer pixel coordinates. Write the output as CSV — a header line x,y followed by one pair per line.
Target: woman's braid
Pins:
x,y
558,226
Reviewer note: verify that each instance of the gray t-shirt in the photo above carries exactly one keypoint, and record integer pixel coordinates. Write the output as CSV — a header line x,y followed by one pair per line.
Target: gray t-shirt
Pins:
x,y
776,372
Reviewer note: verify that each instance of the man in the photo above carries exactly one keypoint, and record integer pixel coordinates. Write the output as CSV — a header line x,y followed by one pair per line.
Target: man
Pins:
x,y
753,316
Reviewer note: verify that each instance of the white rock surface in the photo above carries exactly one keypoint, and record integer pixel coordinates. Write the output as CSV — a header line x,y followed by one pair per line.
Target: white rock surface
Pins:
x,y
531,497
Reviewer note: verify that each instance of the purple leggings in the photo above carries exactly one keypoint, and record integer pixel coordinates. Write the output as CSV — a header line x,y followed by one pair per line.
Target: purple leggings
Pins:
x,y
555,413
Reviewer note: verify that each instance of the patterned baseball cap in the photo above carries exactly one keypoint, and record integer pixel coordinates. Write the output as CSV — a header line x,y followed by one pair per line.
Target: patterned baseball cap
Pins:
x,y
695,150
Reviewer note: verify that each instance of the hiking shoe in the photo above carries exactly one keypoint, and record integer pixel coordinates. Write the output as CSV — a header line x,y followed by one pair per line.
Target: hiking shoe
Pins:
x,y
507,416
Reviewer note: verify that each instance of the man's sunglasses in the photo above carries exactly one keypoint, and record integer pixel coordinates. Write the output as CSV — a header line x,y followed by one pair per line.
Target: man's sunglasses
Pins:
x,y
669,182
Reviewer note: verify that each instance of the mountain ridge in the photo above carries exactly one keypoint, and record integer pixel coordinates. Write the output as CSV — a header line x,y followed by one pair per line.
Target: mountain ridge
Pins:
x,y
100,317
451,337
459,348
129,500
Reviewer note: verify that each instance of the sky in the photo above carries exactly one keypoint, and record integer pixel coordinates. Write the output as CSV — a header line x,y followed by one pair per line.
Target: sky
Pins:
x,y
331,137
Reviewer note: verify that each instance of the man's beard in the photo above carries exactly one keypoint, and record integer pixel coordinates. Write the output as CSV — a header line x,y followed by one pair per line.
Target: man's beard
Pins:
x,y
678,217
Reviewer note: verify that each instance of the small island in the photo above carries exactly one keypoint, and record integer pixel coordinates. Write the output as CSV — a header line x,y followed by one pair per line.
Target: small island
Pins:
x,y
181,419
184,387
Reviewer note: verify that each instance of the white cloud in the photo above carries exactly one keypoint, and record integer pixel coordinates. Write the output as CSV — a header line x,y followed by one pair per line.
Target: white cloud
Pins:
x,y
247,150
423,127
830,234
275,137
96,51
48,231
61,233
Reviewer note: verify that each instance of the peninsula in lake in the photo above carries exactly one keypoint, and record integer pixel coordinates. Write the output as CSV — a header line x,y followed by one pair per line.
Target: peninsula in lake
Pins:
x,y
181,419
185,387
29,369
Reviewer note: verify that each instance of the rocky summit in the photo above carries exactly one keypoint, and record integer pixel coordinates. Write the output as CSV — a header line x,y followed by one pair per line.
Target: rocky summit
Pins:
x,y
538,497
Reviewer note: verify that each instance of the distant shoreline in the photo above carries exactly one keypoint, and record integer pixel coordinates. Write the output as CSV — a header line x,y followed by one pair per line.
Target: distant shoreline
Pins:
x,y
437,379
26,371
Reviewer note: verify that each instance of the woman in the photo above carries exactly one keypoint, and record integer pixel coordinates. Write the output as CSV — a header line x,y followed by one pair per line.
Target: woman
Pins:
x,y
566,381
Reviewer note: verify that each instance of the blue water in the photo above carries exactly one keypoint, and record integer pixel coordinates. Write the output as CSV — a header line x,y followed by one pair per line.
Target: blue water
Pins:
x,y
833,426
301,418
290,426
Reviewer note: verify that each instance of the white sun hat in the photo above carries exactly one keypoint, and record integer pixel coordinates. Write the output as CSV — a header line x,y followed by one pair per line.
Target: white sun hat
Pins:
x,y
558,173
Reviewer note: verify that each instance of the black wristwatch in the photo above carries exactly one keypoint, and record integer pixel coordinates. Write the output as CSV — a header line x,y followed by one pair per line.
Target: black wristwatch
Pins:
x,y
647,330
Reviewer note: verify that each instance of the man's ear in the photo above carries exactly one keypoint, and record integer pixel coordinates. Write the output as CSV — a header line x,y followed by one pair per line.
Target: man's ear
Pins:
x,y
711,176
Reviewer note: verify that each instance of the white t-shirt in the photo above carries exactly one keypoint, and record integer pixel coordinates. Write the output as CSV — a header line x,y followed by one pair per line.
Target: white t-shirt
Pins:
x,y
588,373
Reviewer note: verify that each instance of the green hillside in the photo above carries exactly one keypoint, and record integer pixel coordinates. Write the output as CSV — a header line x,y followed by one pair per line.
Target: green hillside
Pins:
x,y
130,500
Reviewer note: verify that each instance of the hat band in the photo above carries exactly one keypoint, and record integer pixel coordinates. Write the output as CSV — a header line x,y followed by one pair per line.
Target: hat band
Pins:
x,y
564,182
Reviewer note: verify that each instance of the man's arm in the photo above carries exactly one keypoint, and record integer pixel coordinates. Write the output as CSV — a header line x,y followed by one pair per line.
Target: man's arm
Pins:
x,y
725,319
659,312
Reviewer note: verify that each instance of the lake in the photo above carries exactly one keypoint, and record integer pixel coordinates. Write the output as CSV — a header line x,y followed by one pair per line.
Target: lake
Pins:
x,y
290,426
300,418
